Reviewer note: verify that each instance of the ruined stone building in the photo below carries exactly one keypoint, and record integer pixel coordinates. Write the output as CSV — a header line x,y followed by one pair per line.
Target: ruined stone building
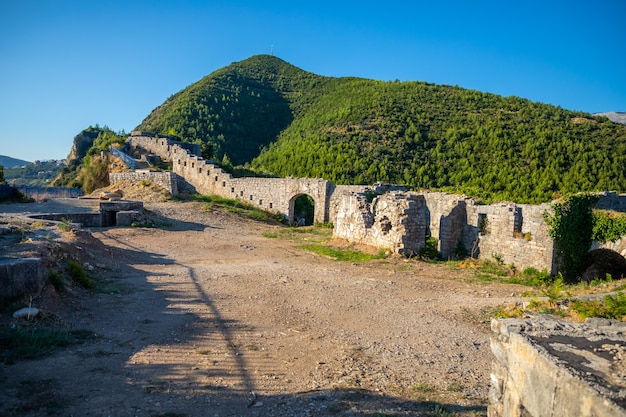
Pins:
x,y
387,217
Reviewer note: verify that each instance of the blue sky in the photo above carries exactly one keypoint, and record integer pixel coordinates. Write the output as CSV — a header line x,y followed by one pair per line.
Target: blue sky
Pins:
x,y
66,65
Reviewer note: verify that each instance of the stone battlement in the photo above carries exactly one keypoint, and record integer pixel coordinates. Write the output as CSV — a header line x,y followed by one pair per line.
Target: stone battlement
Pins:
x,y
384,216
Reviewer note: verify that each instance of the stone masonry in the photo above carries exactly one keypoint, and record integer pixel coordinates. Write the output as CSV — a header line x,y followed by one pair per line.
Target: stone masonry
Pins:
x,y
545,367
395,219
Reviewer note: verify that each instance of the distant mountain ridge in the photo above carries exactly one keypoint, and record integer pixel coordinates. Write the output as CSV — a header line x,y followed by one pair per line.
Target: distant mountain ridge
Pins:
x,y
8,162
614,116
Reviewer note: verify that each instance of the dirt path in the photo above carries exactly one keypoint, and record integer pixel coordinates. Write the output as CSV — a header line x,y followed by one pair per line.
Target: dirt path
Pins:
x,y
209,318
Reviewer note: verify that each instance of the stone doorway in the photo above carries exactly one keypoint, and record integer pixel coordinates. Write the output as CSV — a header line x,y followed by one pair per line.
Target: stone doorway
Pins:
x,y
302,210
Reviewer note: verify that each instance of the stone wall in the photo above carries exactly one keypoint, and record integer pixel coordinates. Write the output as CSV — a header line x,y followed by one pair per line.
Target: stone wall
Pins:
x,y
393,221
514,234
270,194
167,180
545,367
20,279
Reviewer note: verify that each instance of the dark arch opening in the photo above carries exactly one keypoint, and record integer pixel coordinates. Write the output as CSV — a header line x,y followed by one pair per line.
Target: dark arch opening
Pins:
x,y
603,262
303,210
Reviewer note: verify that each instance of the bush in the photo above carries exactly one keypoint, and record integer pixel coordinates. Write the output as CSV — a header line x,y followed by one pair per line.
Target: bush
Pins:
x,y
430,252
611,307
79,275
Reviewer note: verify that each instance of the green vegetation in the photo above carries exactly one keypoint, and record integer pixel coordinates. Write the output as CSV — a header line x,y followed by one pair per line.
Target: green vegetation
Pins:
x,y
2,181
316,234
34,174
346,255
238,207
317,238
558,298
87,169
65,225
430,251
32,341
608,226
78,274
611,307
356,131
571,228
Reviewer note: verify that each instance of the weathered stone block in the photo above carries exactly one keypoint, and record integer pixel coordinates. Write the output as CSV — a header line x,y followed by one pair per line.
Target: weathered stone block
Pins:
x,y
20,279
547,367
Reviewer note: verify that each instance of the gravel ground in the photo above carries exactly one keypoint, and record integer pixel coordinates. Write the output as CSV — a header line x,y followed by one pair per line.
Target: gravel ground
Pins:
x,y
207,317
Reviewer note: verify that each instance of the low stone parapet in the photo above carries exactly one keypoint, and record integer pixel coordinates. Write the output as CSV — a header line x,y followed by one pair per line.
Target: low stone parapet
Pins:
x,y
545,367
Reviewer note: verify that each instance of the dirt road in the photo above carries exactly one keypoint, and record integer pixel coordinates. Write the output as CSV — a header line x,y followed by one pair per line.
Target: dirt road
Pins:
x,y
207,317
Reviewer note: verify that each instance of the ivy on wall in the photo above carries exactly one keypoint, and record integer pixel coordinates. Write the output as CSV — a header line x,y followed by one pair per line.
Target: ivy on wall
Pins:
x,y
571,227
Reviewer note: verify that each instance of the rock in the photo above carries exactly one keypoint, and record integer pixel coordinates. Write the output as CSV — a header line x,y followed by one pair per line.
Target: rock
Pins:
x,y
26,312
19,279
111,196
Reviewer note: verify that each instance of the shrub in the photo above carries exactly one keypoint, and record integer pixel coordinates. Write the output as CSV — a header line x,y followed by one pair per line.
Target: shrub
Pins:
x,y
79,275
430,252
611,307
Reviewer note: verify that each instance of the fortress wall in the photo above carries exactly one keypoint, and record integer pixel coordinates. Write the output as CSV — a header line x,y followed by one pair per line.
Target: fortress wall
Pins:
x,y
393,221
515,234
512,233
204,177
446,220
167,180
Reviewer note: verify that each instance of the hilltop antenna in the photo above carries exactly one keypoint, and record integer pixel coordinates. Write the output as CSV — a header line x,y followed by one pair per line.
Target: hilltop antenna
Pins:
x,y
272,50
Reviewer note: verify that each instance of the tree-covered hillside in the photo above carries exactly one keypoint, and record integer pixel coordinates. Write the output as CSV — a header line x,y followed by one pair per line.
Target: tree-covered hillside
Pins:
x,y
237,110
278,119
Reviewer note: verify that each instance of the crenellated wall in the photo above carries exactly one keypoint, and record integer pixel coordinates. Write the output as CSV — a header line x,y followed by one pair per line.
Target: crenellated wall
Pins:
x,y
272,194
397,220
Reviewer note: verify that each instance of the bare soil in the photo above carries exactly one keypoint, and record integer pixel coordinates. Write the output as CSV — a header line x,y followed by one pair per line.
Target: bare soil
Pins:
x,y
205,316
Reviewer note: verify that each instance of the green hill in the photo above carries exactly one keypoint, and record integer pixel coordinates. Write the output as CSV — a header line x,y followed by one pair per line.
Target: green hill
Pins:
x,y
9,162
278,119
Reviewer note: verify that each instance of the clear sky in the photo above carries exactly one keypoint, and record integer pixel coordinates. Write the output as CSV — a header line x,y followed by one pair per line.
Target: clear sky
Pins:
x,y
66,65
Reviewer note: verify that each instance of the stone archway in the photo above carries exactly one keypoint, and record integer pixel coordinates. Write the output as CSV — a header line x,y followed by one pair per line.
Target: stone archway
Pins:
x,y
605,261
302,210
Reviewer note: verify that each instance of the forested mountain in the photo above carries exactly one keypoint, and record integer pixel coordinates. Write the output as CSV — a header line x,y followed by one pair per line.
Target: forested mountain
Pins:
x,y
278,119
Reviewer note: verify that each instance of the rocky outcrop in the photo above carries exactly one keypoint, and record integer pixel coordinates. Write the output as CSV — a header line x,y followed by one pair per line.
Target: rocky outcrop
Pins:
x,y
614,116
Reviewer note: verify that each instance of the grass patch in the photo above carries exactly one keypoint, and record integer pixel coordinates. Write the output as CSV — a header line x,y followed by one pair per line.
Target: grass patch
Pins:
x,y
79,275
347,255
238,207
312,234
560,299
488,271
35,341
422,387
65,225
57,281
